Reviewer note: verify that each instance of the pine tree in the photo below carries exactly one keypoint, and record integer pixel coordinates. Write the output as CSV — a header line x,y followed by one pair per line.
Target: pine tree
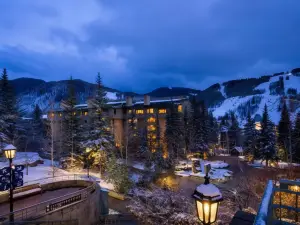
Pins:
x,y
173,133
37,126
186,129
296,138
267,140
8,111
100,138
250,142
71,123
213,129
284,129
199,127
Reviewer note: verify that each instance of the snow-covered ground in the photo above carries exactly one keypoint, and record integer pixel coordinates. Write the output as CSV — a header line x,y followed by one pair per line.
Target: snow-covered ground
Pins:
x,y
44,172
216,173
281,165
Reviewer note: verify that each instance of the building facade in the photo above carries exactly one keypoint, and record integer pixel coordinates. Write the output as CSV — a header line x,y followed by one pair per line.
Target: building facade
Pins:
x,y
147,114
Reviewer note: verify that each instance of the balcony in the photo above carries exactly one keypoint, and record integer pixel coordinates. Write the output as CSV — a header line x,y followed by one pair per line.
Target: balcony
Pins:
x,y
280,203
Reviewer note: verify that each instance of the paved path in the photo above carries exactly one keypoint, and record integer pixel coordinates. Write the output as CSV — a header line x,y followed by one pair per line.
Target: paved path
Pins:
x,y
35,199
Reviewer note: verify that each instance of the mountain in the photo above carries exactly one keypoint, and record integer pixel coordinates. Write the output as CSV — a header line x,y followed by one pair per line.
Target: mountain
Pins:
x,y
240,95
172,91
31,91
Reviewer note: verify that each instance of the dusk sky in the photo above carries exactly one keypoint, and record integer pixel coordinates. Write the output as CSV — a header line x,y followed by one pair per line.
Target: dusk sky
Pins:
x,y
139,45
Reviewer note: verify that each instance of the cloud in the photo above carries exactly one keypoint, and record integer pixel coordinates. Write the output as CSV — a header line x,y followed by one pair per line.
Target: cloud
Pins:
x,y
141,45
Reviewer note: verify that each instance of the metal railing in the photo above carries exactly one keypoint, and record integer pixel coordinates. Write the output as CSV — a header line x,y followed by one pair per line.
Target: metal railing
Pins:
x,y
41,209
279,204
41,222
60,178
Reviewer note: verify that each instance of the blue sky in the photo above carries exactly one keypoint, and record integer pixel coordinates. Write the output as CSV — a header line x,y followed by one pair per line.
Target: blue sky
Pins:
x,y
139,45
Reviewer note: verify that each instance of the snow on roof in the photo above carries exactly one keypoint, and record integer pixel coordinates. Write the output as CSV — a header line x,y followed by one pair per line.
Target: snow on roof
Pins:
x,y
162,100
26,118
239,149
119,102
209,190
81,106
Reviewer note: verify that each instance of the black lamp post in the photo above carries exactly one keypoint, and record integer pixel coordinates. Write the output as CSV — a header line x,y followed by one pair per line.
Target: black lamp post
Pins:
x,y
208,198
10,152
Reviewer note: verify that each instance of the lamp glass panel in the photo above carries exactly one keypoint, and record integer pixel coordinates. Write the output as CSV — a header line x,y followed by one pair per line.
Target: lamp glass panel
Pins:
x,y
206,211
213,212
200,210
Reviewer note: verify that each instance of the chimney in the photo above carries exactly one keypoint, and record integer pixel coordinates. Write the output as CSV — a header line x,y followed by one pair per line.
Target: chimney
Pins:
x,y
146,100
128,101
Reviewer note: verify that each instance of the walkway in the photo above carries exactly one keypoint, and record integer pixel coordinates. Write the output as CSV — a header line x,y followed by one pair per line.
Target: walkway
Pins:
x,y
35,199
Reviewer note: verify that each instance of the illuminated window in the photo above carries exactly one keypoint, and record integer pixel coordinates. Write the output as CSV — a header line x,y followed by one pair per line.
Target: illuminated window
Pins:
x,y
162,111
152,137
52,114
118,145
135,120
151,120
179,108
85,113
150,110
151,128
130,120
74,113
139,111
60,115
129,111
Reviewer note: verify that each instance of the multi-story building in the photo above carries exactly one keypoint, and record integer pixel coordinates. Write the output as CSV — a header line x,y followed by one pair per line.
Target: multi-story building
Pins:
x,y
145,112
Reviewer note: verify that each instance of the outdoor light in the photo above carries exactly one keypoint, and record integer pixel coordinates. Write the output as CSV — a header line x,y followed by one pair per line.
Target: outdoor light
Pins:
x,y
208,198
10,151
88,150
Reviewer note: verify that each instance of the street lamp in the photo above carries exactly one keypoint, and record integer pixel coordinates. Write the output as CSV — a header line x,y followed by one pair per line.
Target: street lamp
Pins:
x,y
208,198
88,150
10,152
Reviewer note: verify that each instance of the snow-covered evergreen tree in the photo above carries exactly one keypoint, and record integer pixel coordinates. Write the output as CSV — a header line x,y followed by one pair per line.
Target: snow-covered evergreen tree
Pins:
x,y
71,139
250,142
198,127
174,133
100,138
8,111
284,132
296,138
267,139
38,128
213,129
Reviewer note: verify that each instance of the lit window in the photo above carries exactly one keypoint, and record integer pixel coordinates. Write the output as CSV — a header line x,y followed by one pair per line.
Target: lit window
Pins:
x,y
150,110
52,114
130,120
152,137
151,128
60,115
179,108
118,145
135,120
129,111
151,120
74,113
139,111
161,111
85,113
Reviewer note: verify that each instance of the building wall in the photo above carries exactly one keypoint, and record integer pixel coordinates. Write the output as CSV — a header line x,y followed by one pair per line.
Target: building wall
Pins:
x,y
118,117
